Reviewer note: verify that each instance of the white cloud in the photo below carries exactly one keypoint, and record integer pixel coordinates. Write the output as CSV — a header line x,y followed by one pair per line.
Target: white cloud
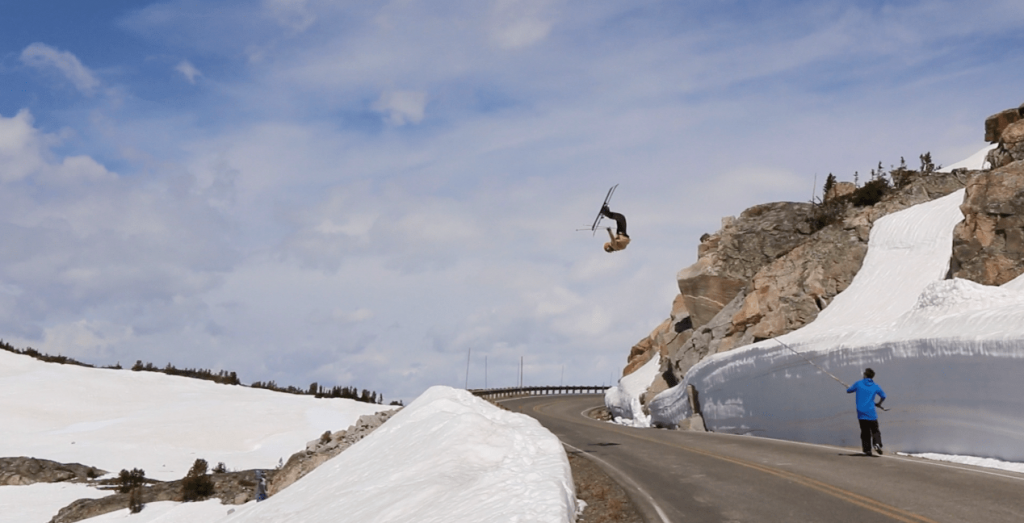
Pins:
x,y
20,155
401,107
520,23
24,153
42,56
188,70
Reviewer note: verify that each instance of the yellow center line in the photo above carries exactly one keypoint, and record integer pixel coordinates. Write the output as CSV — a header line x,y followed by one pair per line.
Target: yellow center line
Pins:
x,y
840,493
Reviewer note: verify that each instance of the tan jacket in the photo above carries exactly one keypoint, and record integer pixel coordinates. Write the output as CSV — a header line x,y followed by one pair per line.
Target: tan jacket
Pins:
x,y
617,243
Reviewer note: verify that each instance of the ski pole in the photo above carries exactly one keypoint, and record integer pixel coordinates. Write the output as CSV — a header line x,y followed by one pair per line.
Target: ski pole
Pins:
x,y
811,362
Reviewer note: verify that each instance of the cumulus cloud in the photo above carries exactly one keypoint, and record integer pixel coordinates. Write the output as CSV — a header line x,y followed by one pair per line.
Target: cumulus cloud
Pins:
x,y
188,70
44,57
24,153
401,107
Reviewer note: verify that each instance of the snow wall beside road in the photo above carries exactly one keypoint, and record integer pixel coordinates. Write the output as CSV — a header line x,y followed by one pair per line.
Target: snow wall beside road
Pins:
x,y
948,353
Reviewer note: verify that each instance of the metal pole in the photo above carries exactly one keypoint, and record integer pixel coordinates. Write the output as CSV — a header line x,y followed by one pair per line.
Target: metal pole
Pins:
x,y
811,362
520,372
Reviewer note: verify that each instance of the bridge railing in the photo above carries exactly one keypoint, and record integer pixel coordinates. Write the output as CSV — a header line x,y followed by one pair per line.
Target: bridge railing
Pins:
x,y
515,392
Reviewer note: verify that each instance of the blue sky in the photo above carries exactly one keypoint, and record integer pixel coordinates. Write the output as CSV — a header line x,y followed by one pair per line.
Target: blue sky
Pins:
x,y
359,193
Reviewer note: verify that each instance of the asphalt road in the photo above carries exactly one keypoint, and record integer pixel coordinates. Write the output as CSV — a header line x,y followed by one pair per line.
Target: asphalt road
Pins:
x,y
676,476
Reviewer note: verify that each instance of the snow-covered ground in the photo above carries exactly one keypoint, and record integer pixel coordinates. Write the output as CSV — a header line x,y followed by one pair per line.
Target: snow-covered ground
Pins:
x,y
623,400
116,419
949,354
448,456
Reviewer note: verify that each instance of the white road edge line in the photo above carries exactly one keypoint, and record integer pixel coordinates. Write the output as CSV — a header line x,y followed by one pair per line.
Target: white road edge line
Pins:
x,y
893,455
661,513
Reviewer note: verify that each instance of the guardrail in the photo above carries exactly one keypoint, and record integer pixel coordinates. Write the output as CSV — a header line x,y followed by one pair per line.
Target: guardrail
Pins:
x,y
512,392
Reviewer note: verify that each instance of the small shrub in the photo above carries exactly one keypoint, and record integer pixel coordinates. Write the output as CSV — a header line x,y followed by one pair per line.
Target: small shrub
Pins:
x,y
830,182
197,484
221,468
927,167
871,193
129,481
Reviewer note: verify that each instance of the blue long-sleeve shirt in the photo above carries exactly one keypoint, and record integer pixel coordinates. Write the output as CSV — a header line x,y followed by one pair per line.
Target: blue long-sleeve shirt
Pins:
x,y
866,390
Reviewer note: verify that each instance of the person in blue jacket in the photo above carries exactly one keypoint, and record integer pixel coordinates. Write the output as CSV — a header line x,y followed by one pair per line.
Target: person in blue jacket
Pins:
x,y
866,390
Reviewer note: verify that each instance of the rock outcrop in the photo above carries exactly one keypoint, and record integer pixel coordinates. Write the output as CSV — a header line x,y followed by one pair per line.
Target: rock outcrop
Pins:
x,y
995,124
232,488
320,450
988,246
728,259
26,471
1010,148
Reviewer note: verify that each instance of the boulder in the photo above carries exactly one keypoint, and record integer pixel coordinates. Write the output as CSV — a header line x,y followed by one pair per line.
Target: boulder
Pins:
x,y
1010,148
995,124
705,294
988,246
729,259
839,190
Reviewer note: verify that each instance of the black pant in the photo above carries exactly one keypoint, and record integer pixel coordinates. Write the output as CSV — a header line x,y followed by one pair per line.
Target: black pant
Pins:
x,y
620,221
868,433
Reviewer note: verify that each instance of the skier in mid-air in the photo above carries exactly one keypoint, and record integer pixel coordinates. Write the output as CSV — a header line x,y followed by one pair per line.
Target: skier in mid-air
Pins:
x,y
620,239
866,390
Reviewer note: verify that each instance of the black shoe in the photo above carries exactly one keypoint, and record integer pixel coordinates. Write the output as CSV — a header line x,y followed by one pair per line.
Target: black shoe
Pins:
x,y
878,449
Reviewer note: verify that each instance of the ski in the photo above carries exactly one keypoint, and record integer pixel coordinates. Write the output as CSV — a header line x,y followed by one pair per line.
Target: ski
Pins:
x,y
597,221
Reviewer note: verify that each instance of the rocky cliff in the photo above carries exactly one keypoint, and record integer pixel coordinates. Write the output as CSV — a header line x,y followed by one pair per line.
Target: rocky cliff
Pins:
x,y
776,266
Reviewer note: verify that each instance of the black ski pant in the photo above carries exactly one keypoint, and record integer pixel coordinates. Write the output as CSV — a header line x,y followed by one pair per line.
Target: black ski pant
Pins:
x,y
620,221
869,433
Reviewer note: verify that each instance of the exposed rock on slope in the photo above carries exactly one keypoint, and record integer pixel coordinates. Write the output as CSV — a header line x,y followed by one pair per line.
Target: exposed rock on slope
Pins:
x,y
319,451
1010,148
988,246
26,471
232,488
995,124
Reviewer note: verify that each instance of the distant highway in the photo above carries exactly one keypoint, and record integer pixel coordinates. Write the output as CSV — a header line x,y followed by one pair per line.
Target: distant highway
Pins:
x,y
676,476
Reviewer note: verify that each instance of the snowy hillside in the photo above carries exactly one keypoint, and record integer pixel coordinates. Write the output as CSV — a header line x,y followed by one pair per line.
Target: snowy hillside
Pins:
x,y
448,456
949,354
114,419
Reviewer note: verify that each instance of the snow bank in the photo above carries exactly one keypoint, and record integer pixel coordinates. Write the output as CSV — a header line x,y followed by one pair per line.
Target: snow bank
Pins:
x,y
119,419
41,501
949,354
447,457
975,162
623,400
977,462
